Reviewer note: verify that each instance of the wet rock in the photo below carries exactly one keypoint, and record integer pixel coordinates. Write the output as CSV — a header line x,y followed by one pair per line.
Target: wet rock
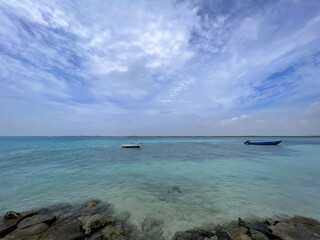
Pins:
x,y
236,234
307,222
272,222
256,235
113,233
288,231
91,205
223,235
243,224
243,230
11,215
36,219
152,229
212,238
64,230
193,235
8,225
174,189
98,221
32,231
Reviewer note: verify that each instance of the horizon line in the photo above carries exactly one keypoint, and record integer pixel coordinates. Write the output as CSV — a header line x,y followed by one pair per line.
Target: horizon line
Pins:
x,y
161,136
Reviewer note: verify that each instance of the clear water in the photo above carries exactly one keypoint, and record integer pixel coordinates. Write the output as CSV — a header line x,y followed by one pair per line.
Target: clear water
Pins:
x,y
186,182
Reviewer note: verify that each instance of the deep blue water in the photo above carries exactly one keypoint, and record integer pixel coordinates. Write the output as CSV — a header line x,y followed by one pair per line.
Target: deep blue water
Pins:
x,y
184,181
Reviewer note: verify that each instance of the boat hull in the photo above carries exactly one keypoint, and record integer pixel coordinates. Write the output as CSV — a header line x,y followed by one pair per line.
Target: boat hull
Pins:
x,y
262,142
131,145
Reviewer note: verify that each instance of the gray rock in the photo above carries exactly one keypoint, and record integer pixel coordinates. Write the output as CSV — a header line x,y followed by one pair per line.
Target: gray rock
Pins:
x,y
236,234
8,225
256,235
36,219
272,222
29,231
97,221
113,233
11,215
64,231
288,231
193,235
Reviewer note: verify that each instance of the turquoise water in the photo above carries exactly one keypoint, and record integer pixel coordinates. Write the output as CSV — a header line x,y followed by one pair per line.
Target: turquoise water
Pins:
x,y
184,181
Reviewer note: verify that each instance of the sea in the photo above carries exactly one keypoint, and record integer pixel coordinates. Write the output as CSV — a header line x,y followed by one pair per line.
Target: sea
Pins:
x,y
184,182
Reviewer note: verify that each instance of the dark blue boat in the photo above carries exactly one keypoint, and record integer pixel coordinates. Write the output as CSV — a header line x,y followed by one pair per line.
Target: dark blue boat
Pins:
x,y
260,142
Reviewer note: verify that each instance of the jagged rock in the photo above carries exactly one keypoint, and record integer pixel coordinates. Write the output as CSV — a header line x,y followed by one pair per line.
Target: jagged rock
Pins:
x,y
307,222
98,221
212,238
243,224
36,219
236,234
272,222
289,231
91,205
193,235
8,225
243,230
11,215
223,235
31,231
256,235
113,233
64,230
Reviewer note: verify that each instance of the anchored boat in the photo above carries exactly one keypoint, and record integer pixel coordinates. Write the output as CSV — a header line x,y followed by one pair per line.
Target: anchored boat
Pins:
x,y
261,142
131,145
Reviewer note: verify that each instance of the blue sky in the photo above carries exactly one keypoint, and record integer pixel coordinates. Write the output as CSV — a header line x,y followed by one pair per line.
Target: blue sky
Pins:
x,y
160,67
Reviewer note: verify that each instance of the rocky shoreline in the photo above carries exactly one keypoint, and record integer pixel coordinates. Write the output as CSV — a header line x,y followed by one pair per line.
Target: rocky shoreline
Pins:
x,y
94,221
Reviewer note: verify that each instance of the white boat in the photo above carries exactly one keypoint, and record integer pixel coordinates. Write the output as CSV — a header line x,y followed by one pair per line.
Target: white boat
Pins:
x,y
131,145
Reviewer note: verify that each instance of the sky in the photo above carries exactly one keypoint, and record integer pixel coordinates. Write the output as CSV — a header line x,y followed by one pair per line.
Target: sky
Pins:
x,y
161,68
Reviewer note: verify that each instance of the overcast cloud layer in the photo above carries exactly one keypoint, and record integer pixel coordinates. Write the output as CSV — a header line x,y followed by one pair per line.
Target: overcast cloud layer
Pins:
x,y
159,67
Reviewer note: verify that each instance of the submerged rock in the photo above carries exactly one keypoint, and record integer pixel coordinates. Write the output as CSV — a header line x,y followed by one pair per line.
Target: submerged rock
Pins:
x,y
193,235
97,221
64,230
113,233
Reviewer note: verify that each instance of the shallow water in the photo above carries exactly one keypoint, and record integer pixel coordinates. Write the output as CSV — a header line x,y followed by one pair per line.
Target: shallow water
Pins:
x,y
185,182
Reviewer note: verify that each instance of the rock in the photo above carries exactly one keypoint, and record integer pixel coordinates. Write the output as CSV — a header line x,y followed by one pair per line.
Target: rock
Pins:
x,y
113,233
11,215
36,219
98,221
243,230
307,222
64,231
91,205
243,224
8,225
212,238
256,235
152,229
272,222
29,231
193,235
221,235
236,234
288,231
